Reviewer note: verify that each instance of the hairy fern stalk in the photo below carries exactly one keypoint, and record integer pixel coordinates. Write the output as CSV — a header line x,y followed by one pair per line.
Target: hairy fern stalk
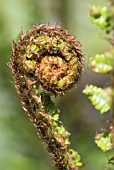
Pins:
x,y
47,61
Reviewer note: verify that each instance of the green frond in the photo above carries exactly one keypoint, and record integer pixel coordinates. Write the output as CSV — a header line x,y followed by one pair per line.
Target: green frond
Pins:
x,y
99,16
103,141
102,63
103,17
100,98
75,157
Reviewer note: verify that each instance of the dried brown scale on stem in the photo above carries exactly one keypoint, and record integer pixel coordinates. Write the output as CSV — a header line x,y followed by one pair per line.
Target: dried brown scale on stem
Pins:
x,y
47,61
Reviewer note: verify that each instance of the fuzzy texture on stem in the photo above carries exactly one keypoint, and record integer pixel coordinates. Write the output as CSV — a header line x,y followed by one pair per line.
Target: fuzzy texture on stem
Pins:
x,y
46,61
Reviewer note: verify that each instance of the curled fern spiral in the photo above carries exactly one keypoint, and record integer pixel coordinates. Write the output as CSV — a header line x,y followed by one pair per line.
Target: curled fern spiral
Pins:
x,y
47,61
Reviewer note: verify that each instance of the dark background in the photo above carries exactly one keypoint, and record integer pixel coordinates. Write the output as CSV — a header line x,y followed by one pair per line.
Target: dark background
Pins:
x,y
20,147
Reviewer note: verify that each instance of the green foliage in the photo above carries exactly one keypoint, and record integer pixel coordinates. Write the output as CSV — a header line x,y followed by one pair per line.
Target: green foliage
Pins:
x,y
99,16
103,17
75,157
104,141
102,99
99,97
102,63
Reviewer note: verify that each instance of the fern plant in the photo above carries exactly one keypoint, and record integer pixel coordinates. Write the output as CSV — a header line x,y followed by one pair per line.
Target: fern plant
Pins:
x,y
47,61
103,99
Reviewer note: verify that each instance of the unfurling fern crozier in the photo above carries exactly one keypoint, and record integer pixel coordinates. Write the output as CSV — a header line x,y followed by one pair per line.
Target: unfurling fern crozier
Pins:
x,y
46,61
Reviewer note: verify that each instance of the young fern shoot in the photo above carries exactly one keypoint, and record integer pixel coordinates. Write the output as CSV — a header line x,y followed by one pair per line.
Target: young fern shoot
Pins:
x,y
47,61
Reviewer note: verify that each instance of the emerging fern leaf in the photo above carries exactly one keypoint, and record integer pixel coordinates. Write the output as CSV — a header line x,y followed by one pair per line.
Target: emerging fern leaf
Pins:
x,y
47,61
100,98
102,63
103,17
104,141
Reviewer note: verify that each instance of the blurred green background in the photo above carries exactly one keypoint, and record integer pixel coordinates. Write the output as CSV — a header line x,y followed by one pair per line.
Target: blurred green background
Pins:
x,y
20,147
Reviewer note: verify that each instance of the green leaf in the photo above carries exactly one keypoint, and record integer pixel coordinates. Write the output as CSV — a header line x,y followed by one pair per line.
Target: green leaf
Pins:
x,y
103,141
99,16
100,98
103,17
75,157
102,63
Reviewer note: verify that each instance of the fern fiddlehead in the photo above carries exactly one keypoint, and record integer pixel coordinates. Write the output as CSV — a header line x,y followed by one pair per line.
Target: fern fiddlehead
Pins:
x,y
47,61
